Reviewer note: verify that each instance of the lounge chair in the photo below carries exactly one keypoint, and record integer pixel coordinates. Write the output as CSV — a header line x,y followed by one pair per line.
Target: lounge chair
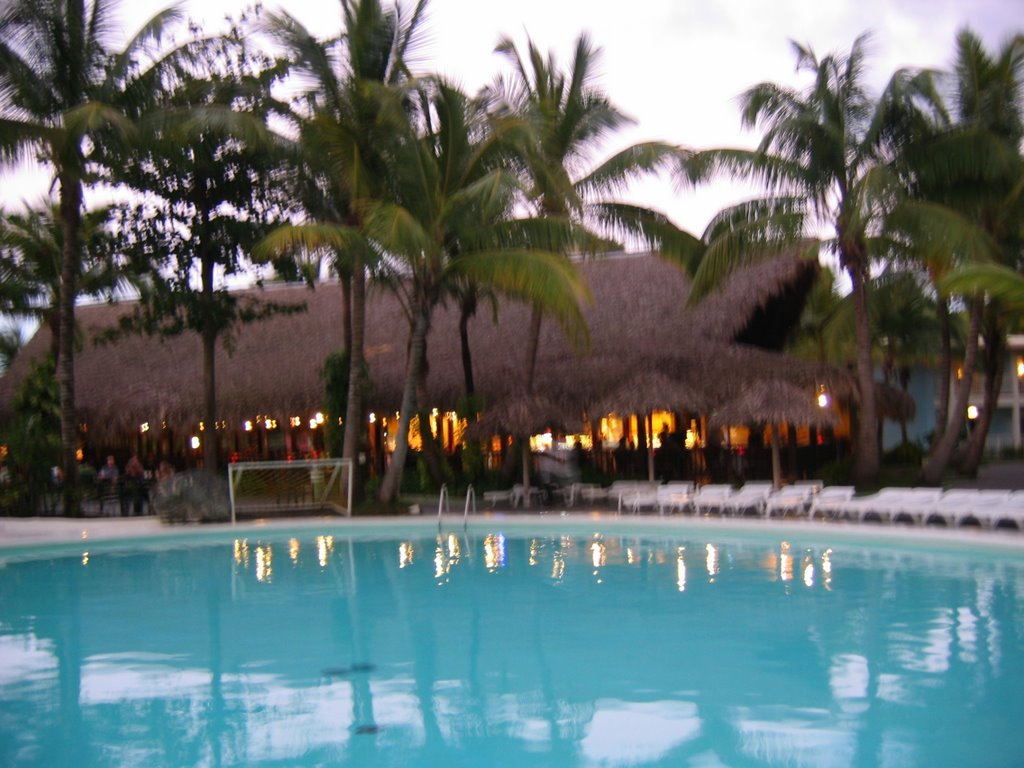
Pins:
x,y
1005,513
515,496
750,496
674,497
830,501
710,498
791,500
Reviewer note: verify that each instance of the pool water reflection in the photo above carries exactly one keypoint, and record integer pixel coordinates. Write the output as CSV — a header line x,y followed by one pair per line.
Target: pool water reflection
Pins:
x,y
497,648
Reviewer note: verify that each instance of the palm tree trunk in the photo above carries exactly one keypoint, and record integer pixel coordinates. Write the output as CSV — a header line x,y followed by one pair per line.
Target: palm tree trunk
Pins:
x,y
71,218
209,336
356,328
993,360
945,369
417,344
533,342
866,458
942,451
467,309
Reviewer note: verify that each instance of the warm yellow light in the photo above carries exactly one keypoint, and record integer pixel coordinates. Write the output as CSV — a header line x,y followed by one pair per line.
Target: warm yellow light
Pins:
x,y
295,421
247,425
1020,367
313,424
823,398
711,560
202,427
144,427
373,418
195,442
264,564
681,569
318,417
293,550
972,412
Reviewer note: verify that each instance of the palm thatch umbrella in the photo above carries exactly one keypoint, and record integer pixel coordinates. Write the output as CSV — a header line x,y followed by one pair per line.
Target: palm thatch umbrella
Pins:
x,y
522,415
643,392
774,402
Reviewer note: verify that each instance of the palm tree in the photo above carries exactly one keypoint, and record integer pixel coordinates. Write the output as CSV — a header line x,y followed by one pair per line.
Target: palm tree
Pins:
x,y
970,190
824,161
450,220
31,248
343,122
61,82
567,116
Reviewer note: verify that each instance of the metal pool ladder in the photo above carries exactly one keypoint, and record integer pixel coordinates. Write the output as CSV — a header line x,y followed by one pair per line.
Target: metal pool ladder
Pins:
x,y
443,505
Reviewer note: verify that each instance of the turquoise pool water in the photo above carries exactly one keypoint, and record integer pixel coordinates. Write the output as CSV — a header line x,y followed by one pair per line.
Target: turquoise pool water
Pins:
x,y
502,647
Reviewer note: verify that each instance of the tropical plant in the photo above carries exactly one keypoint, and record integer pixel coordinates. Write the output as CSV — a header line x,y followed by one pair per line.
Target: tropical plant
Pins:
x,y
208,185
825,160
62,81
341,118
31,248
450,220
567,116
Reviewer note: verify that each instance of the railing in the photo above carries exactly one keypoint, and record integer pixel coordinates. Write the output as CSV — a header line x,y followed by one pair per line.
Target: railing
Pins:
x,y
470,495
442,504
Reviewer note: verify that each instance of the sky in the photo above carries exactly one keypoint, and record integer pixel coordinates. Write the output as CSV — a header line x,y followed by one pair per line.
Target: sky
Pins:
x,y
675,66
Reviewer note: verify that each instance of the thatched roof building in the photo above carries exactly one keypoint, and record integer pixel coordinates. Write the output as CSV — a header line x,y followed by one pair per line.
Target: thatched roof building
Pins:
x,y
638,322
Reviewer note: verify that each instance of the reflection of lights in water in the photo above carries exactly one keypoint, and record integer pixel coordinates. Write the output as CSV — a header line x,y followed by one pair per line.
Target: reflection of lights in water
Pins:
x,y
440,561
406,554
454,548
711,560
681,568
558,566
598,554
785,563
807,566
242,552
264,564
85,558
631,558
324,547
494,552
534,552
826,568
293,550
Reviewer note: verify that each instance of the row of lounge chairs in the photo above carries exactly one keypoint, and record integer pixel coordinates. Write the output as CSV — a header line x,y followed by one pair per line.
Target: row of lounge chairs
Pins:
x,y
809,499
813,500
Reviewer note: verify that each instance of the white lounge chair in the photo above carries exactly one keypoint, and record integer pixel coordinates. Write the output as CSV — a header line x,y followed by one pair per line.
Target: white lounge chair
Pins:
x,y
790,500
750,496
674,497
515,496
1005,513
709,498
830,501
633,494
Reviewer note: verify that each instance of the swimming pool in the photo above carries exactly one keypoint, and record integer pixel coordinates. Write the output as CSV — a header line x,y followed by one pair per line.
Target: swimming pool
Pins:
x,y
504,645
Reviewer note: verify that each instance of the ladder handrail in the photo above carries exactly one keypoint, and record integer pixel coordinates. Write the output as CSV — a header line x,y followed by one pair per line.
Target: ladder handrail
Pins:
x,y
470,494
442,504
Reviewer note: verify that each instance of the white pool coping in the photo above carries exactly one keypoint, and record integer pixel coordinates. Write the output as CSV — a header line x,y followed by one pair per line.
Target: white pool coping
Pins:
x,y
32,532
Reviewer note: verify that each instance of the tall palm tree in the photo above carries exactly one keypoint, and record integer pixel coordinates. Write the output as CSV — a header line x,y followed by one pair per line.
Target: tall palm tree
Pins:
x,y
970,190
61,82
341,120
450,220
823,159
568,116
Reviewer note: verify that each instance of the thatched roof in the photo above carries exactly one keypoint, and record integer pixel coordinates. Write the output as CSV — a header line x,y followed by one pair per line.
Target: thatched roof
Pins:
x,y
771,401
523,415
638,322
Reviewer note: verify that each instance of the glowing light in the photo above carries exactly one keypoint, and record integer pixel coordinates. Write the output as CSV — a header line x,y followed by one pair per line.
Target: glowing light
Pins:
x,y
826,568
264,564
711,560
534,552
440,562
313,424
972,412
293,550
202,427
373,418
823,398
681,569
598,555
318,417
807,566
558,566
270,424
454,548
494,552
144,427
194,442
247,426
295,421
85,558
1020,367
242,552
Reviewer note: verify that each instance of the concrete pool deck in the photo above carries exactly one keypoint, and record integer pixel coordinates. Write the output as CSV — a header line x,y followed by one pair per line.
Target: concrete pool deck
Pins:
x,y
16,532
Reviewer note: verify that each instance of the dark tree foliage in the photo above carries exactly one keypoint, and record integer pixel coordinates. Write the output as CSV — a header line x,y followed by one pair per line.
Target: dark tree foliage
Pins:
x,y
209,182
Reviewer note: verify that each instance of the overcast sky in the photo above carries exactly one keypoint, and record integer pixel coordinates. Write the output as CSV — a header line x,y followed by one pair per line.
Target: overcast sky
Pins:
x,y
675,66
